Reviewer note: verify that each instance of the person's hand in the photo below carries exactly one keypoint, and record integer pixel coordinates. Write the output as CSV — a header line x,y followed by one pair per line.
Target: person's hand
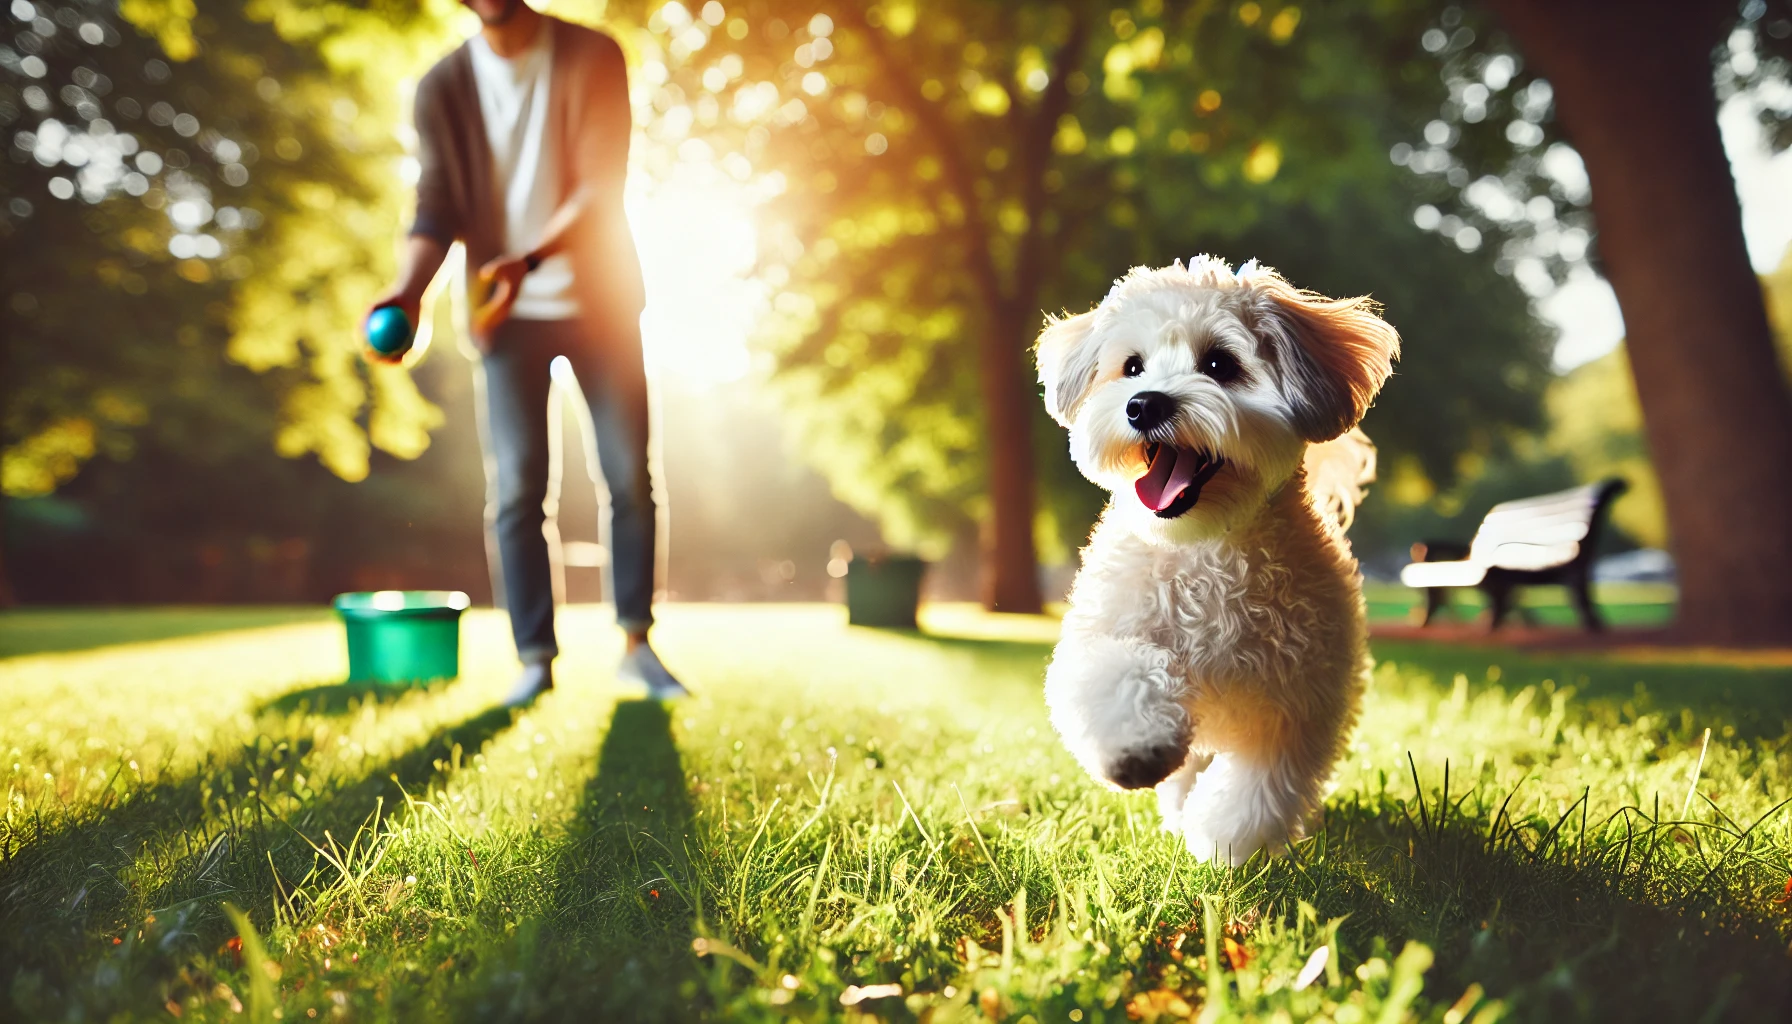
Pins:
x,y
501,281
410,305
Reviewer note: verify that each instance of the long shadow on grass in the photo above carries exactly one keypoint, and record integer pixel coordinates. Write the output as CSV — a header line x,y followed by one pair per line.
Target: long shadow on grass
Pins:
x,y
614,939
336,698
129,811
197,841
1009,650
102,838
991,645
289,842
62,878
1019,659
1627,923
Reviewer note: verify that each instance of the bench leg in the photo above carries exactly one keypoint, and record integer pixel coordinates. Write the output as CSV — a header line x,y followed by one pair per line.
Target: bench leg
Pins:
x,y
1583,600
1499,602
1435,599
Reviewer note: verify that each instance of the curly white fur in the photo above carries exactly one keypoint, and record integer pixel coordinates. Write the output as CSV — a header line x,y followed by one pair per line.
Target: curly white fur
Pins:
x,y
1219,655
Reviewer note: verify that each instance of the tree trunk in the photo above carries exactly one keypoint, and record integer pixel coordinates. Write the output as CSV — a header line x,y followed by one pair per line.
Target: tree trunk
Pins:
x,y
7,598
1010,564
1010,561
1633,87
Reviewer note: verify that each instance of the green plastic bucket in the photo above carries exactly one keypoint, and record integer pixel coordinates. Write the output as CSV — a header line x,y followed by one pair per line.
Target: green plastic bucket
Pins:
x,y
402,636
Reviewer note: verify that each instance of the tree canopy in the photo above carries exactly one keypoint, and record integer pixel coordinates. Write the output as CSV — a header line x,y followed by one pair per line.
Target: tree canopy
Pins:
x,y
215,176
947,172
228,178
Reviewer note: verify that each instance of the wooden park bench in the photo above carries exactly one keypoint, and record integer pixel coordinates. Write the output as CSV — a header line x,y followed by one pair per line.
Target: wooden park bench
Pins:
x,y
1544,540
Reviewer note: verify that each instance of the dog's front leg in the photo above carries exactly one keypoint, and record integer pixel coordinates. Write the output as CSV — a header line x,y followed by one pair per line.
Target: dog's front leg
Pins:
x,y
1243,803
1172,793
1118,705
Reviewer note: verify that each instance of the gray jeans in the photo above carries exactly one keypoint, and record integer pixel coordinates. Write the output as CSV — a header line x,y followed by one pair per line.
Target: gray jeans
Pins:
x,y
514,379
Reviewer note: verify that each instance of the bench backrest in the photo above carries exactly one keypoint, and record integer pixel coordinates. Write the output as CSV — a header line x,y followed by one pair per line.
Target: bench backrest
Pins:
x,y
1544,532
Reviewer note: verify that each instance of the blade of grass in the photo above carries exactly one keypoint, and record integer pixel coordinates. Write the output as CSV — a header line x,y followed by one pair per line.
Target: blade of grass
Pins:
x,y
1692,784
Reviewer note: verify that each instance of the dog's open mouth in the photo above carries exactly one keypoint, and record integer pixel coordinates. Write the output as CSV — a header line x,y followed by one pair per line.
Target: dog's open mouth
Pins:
x,y
1173,478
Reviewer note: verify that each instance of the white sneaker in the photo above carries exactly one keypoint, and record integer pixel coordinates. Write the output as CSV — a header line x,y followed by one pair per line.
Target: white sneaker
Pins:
x,y
643,667
537,679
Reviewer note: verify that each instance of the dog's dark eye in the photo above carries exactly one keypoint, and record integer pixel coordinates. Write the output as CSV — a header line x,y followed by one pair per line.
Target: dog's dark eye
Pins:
x,y
1134,366
1221,366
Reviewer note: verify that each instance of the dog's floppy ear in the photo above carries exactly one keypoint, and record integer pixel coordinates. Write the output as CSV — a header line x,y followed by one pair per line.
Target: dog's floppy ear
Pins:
x,y
1067,363
1333,354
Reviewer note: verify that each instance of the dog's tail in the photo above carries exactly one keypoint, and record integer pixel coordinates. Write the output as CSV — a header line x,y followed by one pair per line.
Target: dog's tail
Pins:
x,y
1339,473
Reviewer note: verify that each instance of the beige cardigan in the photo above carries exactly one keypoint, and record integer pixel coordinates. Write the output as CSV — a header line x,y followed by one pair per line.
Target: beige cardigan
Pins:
x,y
588,105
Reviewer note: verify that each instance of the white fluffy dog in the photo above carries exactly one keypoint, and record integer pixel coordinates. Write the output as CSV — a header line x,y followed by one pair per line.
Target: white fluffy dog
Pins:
x,y
1215,646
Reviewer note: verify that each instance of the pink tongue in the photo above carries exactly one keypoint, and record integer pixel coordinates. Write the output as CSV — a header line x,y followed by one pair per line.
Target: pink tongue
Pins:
x,y
1171,471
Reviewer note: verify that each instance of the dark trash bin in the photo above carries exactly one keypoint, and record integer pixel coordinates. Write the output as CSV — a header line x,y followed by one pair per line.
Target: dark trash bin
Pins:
x,y
884,591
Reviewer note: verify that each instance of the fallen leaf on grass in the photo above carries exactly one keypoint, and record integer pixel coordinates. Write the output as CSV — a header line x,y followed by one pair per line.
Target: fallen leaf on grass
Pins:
x,y
856,994
1309,971
1458,1011
974,955
1238,956
703,946
223,991
1158,1004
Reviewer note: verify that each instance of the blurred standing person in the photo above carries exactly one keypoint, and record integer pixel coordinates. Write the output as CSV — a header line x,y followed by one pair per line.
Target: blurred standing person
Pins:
x,y
524,136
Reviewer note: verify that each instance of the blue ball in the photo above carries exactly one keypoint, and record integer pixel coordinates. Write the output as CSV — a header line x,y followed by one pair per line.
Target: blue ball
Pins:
x,y
388,330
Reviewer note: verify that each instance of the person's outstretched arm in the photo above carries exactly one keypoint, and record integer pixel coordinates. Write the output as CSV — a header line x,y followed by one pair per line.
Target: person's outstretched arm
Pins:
x,y
423,256
436,225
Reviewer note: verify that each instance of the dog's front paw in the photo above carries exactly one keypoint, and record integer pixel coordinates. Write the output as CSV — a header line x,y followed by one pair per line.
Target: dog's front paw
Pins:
x,y
1229,850
1116,704
1144,767
1238,806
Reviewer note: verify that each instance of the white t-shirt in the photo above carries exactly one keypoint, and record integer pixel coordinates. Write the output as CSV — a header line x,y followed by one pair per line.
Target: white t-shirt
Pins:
x,y
513,101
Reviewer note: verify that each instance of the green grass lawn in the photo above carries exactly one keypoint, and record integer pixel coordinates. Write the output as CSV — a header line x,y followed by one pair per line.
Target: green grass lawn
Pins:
x,y
848,822
1621,604
38,631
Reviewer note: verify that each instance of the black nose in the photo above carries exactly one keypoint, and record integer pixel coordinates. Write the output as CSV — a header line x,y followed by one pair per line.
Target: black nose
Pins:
x,y
1148,410
1142,769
